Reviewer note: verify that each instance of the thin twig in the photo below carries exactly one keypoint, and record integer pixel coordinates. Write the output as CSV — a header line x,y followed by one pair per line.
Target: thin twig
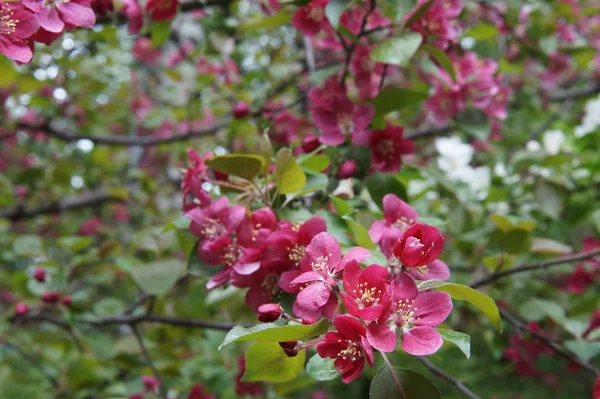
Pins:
x,y
140,340
443,375
535,266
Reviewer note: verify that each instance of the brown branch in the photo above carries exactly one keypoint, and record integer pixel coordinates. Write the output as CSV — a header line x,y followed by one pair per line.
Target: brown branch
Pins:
x,y
549,342
445,376
127,141
573,94
428,132
90,198
535,266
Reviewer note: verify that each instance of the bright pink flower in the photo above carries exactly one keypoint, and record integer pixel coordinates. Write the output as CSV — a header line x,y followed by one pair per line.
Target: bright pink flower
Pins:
x,y
288,245
195,176
420,245
255,230
321,266
349,346
366,294
398,216
263,284
39,273
151,383
416,318
347,169
310,19
439,21
16,25
436,270
388,146
21,308
197,392
162,10
445,104
343,118
57,15
132,10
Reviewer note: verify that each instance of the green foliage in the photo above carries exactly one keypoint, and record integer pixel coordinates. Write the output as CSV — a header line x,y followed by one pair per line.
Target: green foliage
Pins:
x,y
246,166
321,369
266,361
401,384
397,50
289,177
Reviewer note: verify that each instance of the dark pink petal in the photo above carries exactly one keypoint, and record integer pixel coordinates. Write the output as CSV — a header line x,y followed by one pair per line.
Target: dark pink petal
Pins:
x,y
307,277
382,336
256,296
377,230
28,23
369,313
313,296
49,20
436,270
433,307
374,276
394,210
349,327
420,341
354,372
332,137
329,309
219,279
311,228
235,217
368,351
246,268
357,254
404,287
18,51
77,14
285,281
350,304
351,275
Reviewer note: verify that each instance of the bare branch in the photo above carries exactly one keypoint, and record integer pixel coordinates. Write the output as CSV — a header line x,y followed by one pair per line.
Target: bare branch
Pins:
x,y
445,376
573,94
535,266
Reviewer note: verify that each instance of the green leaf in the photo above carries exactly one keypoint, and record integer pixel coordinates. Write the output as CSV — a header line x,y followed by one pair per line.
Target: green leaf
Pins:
x,y
393,99
418,14
321,369
341,207
536,309
334,10
395,10
347,34
483,31
596,219
550,197
265,149
441,58
160,32
398,50
246,166
271,332
197,267
7,192
266,361
503,223
289,177
464,293
28,245
541,245
402,384
75,243
583,349
359,233
380,184
316,163
462,340
158,277
281,18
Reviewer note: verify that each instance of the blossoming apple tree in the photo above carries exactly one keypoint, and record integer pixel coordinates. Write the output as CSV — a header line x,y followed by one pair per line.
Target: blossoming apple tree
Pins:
x,y
305,198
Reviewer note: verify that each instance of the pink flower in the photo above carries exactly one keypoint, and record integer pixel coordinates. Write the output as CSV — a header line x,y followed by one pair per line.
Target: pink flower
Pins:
x,y
39,273
150,383
398,216
388,146
416,318
320,268
343,118
366,294
162,10
578,280
436,270
439,21
57,15
420,245
254,231
132,10
137,395
263,284
21,309
16,25
102,7
348,346
310,19
288,245
195,176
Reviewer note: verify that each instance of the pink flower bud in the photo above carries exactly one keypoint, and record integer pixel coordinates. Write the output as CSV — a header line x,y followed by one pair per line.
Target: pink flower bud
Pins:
x,y
39,273
310,143
66,300
290,348
49,297
137,395
347,169
151,383
241,110
420,245
21,309
269,312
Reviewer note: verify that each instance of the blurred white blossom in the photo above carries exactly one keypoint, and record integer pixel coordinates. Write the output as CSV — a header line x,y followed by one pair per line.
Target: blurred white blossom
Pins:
x,y
591,119
553,141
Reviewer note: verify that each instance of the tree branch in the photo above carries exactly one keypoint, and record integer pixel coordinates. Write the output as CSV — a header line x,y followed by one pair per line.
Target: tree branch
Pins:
x,y
443,375
147,357
535,266
573,94
90,198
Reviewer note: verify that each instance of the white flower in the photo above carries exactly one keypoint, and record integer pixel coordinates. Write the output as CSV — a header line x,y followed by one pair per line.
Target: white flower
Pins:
x,y
591,119
455,156
553,141
479,181
533,146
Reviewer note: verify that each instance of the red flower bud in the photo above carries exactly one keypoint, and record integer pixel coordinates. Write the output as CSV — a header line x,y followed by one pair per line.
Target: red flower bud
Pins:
x,y
241,110
21,308
66,300
39,273
310,143
151,383
420,245
290,348
269,312
347,169
49,297
137,395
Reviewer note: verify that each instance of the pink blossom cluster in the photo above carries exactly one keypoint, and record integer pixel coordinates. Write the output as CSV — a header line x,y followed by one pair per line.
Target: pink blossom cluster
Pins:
x,y
438,24
477,83
273,257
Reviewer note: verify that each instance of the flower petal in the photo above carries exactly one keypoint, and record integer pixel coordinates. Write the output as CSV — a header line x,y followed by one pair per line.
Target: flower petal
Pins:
x,y
421,341
313,296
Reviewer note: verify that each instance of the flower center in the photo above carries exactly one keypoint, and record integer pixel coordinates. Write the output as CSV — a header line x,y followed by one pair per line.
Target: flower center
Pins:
x,y
405,313
352,351
366,296
231,254
270,284
316,14
403,223
212,228
8,26
321,264
296,253
386,148
345,123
